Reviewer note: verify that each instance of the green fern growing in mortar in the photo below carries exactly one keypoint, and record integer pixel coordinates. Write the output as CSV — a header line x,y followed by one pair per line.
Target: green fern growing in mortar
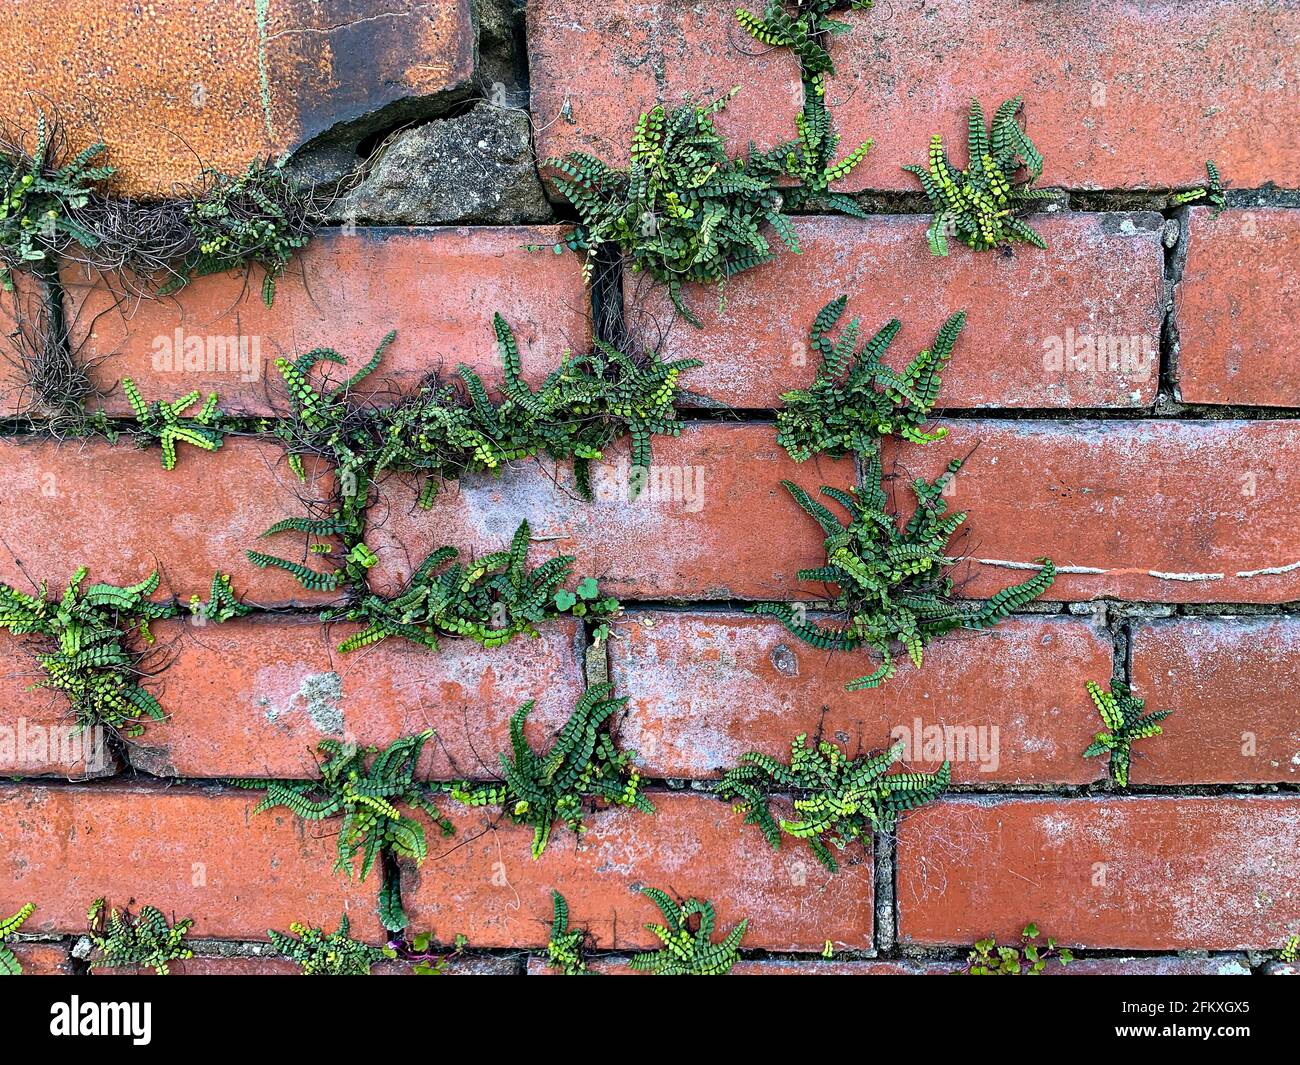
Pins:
x,y
164,423
9,965
121,940
1212,192
892,581
581,768
854,399
365,787
40,195
1123,715
320,953
566,950
685,952
1029,959
837,799
490,600
684,210
981,205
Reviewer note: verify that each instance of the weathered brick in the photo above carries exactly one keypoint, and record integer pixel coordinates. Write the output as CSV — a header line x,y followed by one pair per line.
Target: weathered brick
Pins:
x,y
175,85
775,967
192,853
483,884
254,697
438,288
1169,873
594,72
200,965
1217,965
694,519
38,736
1077,328
1118,94
1152,510
1010,698
115,510
1238,297
1234,687
43,959
23,319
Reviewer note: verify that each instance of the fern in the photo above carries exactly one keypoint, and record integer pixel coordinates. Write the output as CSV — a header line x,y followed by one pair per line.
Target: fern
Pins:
x,y
566,950
40,195
260,216
1122,714
837,799
855,399
93,661
687,953
893,582
490,601
981,205
684,210
446,430
1212,193
164,424
320,953
803,26
1029,959
222,604
582,767
8,926
120,940
364,787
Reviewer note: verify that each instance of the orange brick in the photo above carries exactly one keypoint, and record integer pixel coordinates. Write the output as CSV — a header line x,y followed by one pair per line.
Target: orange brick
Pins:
x,y
1237,299
1233,686
594,72
115,510
438,288
190,852
1169,873
1077,328
1150,510
43,959
1019,685
483,884
22,319
253,698
175,85
689,535
38,736
1119,95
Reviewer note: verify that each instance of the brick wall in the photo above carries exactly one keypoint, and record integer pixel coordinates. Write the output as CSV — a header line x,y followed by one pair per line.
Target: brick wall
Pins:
x,y
1165,495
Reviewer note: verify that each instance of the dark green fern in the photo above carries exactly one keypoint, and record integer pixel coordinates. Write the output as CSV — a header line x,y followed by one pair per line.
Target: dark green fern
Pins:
x,y
583,767
892,581
981,205
120,940
1211,193
320,953
364,787
855,399
687,953
566,950
837,799
1123,715
490,600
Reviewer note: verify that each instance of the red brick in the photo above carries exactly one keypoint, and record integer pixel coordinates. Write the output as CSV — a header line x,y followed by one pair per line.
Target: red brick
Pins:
x,y
699,546
774,967
43,959
38,736
1219,965
254,697
1151,510
1030,316
1281,968
192,853
594,71
1235,305
1179,873
1234,687
21,319
482,883
1118,94
679,667
437,287
115,510
176,85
